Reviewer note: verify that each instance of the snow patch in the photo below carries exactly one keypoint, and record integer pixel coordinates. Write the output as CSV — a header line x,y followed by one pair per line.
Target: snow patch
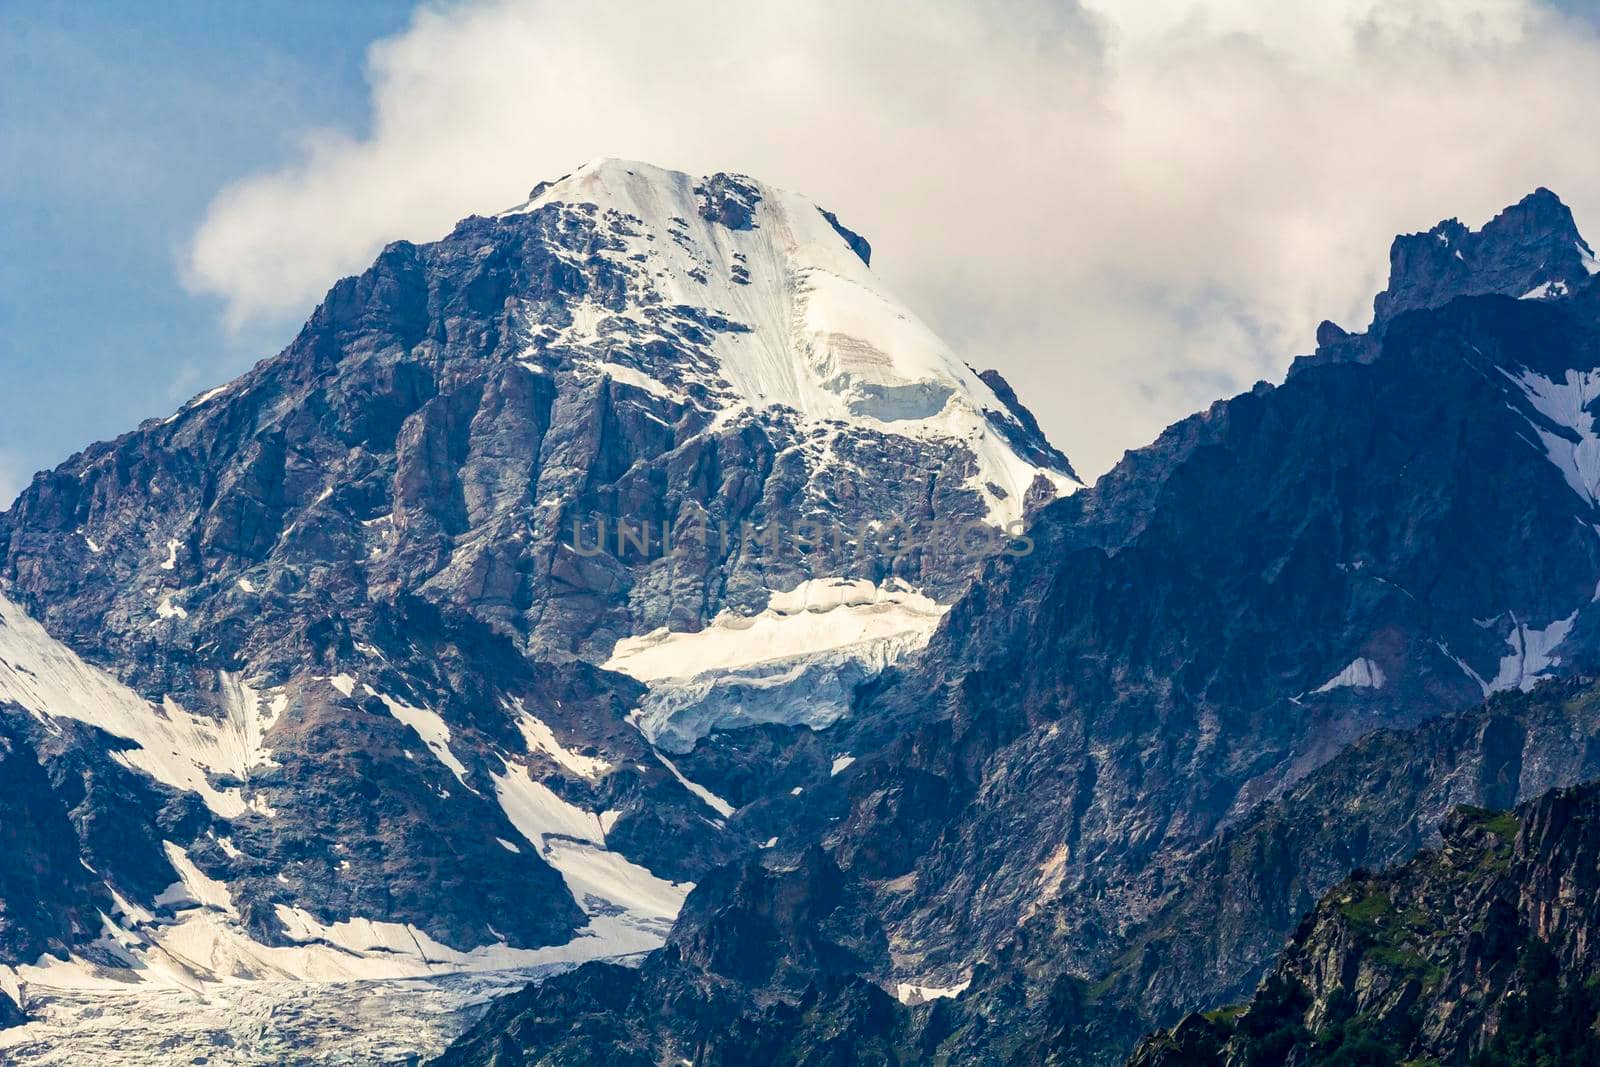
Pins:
x,y
1590,264
602,881
819,615
208,396
243,731
1564,406
540,738
630,909
714,802
840,763
906,993
170,744
1532,653
1360,674
539,814
193,885
618,372
369,948
1547,291
431,728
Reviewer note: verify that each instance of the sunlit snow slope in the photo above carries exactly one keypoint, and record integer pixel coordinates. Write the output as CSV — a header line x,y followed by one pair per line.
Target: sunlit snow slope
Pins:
x,y
820,335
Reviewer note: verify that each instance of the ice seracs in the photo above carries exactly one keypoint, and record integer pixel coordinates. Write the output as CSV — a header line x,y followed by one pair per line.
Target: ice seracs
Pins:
x,y
795,662
818,615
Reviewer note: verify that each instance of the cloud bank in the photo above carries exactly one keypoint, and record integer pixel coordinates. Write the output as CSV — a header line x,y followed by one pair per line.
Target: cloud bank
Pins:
x,y
11,480
1130,209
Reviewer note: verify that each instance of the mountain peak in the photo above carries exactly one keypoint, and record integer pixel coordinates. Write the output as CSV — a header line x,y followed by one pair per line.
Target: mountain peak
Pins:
x,y
1531,249
723,197
805,324
1541,203
650,443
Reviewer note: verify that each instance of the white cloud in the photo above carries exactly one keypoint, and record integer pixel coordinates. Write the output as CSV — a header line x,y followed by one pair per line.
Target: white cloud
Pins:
x,y
1128,208
11,480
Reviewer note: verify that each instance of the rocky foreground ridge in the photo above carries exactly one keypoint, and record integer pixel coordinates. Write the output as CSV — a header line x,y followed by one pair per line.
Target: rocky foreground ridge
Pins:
x,y
1478,951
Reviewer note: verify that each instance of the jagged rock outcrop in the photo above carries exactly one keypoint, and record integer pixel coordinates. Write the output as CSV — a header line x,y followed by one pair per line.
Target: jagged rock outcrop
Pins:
x,y
1463,951
1372,806
1235,903
1226,612
1531,250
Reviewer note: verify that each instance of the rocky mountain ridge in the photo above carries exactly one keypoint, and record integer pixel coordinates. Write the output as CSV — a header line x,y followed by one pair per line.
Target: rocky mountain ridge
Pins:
x,y
1375,543
314,670
324,680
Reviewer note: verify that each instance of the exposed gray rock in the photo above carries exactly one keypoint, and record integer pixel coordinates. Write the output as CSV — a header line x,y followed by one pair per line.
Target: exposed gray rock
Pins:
x,y
1374,544
1484,945
1530,245
344,590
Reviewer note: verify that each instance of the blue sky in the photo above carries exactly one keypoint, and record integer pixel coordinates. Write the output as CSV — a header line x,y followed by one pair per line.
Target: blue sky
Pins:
x,y
119,122
1130,209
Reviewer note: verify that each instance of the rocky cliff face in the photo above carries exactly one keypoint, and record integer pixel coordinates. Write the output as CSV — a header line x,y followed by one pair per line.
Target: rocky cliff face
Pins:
x,y
1232,905
1265,585
1482,947
1532,250
1375,543
307,679
1231,908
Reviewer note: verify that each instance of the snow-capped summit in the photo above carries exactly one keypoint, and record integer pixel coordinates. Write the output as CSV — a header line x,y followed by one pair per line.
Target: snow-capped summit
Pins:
x,y
315,680
721,302
804,323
